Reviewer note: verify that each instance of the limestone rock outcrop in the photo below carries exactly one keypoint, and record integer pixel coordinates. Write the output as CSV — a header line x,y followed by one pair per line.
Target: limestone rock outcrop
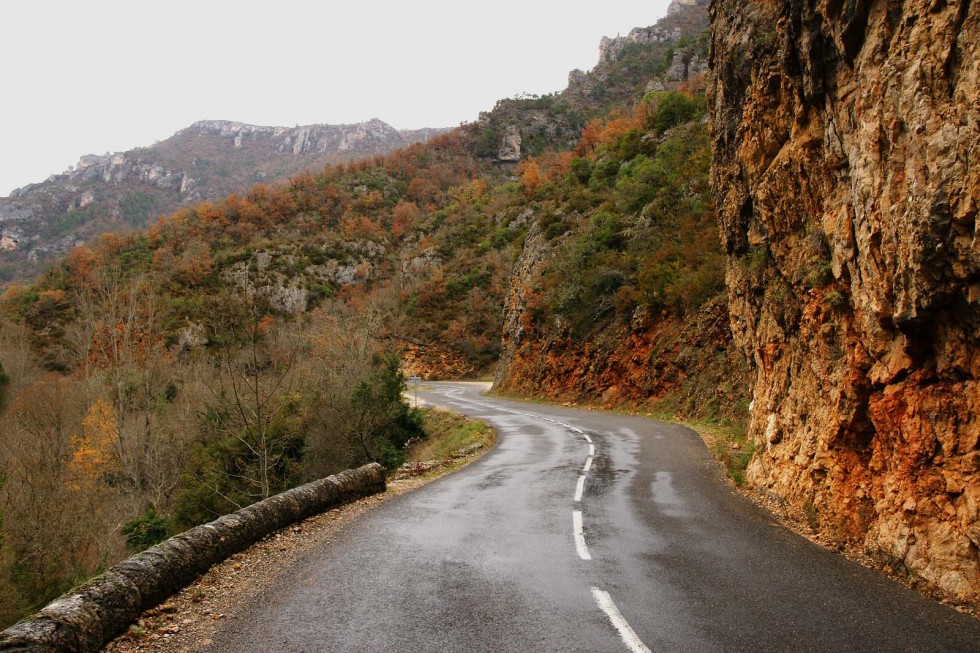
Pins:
x,y
847,136
510,145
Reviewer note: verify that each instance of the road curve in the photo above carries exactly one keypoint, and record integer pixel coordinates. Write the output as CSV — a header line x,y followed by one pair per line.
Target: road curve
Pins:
x,y
583,531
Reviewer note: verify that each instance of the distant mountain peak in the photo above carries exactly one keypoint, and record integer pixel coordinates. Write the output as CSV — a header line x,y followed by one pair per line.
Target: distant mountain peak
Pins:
x,y
206,160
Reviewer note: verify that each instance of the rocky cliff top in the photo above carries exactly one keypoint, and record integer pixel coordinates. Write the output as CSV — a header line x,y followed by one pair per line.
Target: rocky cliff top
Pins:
x,y
658,57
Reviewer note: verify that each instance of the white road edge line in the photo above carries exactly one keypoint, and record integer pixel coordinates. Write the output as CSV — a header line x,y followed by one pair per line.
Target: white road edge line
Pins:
x,y
579,488
591,449
588,465
587,438
628,635
583,551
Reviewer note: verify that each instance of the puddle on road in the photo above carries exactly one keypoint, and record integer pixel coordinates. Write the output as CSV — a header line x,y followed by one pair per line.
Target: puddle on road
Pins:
x,y
602,476
665,496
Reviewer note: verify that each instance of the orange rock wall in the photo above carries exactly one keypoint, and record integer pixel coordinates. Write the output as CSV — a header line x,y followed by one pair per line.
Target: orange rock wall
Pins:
x,y
847,171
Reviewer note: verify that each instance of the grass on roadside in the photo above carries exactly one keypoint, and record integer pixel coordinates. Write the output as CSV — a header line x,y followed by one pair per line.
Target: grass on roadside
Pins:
x,y
453,441
733,450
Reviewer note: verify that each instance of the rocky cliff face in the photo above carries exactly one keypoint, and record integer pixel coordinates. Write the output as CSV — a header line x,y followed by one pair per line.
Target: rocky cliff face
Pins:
x,y
847,136
208,160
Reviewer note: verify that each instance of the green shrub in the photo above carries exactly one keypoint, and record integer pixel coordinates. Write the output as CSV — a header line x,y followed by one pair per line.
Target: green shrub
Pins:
x,y
835,299
758,258
819,275
386,423
580,170
671,109
145,530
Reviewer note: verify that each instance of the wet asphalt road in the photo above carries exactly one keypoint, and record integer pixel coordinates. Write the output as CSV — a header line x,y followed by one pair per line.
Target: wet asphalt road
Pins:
x,y
668,559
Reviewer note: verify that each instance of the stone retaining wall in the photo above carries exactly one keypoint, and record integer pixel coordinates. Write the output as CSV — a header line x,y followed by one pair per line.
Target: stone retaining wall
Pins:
x,y
89,616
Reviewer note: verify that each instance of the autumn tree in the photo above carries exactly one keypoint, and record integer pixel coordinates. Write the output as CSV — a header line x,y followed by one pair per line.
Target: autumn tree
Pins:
x,y
358,406
58,530
404,216
531,177
117,336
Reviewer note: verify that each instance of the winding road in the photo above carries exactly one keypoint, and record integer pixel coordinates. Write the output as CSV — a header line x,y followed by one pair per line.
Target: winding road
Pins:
x,y
583,531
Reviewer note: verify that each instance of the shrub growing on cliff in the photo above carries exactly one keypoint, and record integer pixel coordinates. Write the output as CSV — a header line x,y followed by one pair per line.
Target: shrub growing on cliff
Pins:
x,y
666,109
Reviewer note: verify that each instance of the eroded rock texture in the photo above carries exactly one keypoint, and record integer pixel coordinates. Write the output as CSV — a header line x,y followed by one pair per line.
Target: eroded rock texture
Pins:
x,y
847,166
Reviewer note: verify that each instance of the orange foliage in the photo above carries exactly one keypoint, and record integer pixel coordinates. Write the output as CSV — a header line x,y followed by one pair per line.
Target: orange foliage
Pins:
x,y
370,201
616,127
589,138
243,211
13,293
469,193
422,190
275,203
555,165
163,260
599,132
110,243
210,216
457,329
195,264
531,176
80,261
355,224
265,325
404,216
94,453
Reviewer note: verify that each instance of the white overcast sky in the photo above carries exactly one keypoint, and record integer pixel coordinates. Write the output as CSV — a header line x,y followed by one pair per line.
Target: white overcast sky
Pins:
x,y
94,76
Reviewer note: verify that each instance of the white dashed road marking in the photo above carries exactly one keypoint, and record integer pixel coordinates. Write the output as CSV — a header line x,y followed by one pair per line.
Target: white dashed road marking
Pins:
x,y
628,635
603,599
583,551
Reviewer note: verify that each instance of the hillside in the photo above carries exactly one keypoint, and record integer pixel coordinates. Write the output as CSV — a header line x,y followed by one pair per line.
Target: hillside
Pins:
x,y
654,58
242,345
130,190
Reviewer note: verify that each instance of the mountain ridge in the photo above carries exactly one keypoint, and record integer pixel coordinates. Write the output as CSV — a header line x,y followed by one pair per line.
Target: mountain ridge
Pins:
x,y
208,159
